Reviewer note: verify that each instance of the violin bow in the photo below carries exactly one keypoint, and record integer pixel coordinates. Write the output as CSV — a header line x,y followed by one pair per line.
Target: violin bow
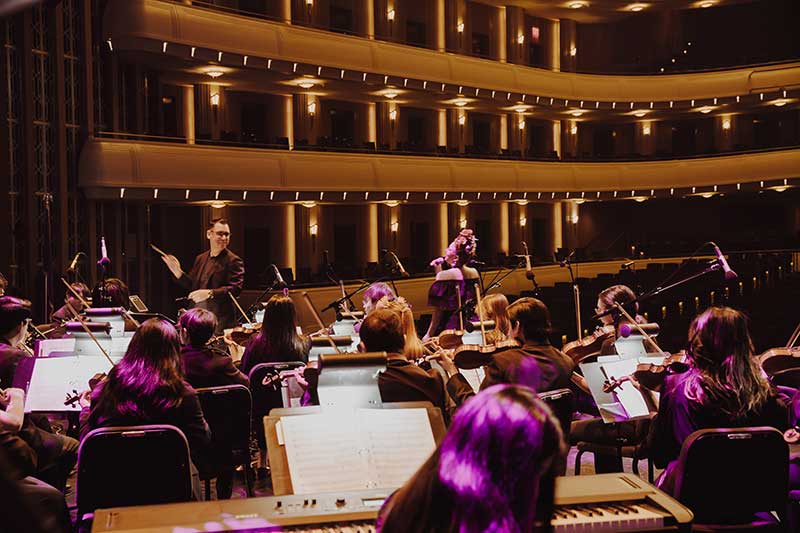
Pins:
x,y
91,335
239,307
480,314
317,318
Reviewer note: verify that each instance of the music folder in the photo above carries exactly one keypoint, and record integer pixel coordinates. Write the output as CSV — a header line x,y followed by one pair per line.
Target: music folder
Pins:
x,y
626,401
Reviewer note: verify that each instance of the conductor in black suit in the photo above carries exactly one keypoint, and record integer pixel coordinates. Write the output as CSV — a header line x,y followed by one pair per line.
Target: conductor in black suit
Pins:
x,y
214,274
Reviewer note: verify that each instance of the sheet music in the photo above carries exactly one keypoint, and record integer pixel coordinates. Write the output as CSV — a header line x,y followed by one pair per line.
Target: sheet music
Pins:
x,y
355,449
400,440
55,377
628,395
474,377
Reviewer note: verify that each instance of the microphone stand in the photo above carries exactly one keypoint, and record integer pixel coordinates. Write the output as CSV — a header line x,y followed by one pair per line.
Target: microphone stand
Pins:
x,y
261,296
497,282
576,293
336,303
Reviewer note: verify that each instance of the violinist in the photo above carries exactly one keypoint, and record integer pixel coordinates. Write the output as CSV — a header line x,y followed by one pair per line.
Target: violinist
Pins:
x,y
607,300
113,293
203,365
375,293
214,274
454,284
56,454
723,388
495,307
63,314
536,363
147,387
413,348
278,340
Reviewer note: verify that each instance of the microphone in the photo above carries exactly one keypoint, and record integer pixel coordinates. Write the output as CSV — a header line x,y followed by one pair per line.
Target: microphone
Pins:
x,y
626,266
399,265
475,262
278,278
729,274
626,330
74,263
104,260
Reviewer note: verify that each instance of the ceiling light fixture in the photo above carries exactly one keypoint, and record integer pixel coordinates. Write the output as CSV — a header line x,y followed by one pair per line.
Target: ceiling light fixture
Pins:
x,y
390,94
780,102
639,114
460,102
705,110
305,84
637,7
214,74
577,5
577,112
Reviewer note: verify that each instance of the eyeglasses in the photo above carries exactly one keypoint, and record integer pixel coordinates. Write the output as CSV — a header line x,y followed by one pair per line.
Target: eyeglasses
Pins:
x,y
223,234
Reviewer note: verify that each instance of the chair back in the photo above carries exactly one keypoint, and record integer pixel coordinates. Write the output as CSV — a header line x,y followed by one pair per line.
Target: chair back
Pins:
x,y
132,465
227,411
267,394
560,401
729,475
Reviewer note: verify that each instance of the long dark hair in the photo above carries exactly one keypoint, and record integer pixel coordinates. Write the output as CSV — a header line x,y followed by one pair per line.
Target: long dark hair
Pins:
x,y
278,338
148,380
494,470
724,373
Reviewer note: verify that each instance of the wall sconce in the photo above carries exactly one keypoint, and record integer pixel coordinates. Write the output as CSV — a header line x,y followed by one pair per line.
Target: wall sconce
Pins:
x,y
462,119
312,230
646,129
462,223
215,99
310,3
521,123
520,38
460,27
573,51
523,221
726,124
390,15
393,115
312,109
574,130
574,219
395,226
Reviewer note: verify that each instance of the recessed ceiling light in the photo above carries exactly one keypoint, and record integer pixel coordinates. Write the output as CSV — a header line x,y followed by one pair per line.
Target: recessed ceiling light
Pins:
x,y
214,73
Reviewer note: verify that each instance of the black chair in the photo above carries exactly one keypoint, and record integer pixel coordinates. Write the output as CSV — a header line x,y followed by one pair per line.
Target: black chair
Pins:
x,y
265,387
560,401
132,465
227,411
734,478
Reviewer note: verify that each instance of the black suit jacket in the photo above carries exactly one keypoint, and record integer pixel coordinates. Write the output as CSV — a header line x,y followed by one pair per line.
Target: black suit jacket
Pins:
x,y
208,367
226,276
539,366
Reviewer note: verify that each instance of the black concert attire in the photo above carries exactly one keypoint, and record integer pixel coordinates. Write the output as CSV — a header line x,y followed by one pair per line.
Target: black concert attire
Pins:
x,y
258,352
210,367
679,416
443,295
187,416
537,365
55,454
223,273
29,504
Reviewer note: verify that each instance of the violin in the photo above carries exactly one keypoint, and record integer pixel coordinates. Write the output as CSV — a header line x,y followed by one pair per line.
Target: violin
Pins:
x,y
95,380
783,358
469,356
241,335
590,345
649,375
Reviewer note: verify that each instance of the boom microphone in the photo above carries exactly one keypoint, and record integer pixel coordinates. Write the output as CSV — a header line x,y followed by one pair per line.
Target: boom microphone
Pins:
x,y
626,330
74,263
278,277
729,274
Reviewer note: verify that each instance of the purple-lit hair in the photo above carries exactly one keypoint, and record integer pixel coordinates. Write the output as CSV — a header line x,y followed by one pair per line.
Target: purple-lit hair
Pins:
x,y
494,470
724,373
147,381
376,291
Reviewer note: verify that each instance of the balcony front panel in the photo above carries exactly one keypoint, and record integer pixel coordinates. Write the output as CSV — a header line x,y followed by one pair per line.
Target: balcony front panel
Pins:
x,y
146,24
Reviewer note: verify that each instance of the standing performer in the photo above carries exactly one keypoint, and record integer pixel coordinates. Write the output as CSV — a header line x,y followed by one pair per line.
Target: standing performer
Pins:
x,y
214,274
454,285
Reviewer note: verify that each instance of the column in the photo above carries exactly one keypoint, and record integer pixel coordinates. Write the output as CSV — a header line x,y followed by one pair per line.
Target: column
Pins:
x,y
645,140
371,123
188,113
500,34
724,132
504,131
556,226
557,137
441,127
572,218
286,11
568,45
555,45
443,239
501,237
288,119
515,24
439,25
569,141
371,233
289,250
368,8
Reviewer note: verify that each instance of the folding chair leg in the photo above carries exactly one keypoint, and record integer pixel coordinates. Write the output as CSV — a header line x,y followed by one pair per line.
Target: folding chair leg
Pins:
x,y
649,470
249,474
635,465
207,490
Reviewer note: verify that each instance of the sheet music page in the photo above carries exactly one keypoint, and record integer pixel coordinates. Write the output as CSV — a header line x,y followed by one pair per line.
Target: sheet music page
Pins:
x,y
474,377
55,377
628,395
399,441
325,452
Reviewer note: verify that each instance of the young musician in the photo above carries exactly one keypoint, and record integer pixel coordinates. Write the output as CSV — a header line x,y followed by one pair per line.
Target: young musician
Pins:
x,y
278,340
413,349
15,317
113,293
453,274
495,307
494,471
214,274
724,387
374,294
536,364
606,301
146,387
204,366
63,314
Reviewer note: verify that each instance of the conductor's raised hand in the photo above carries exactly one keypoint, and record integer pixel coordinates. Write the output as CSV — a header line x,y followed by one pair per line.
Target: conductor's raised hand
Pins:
x,y
200,295
173,264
